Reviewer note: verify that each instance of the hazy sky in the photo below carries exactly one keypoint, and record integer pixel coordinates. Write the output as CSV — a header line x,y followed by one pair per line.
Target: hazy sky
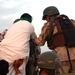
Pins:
x,y
13,9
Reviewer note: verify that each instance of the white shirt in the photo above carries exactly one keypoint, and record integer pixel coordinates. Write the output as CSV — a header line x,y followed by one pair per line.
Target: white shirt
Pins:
x,y
15,44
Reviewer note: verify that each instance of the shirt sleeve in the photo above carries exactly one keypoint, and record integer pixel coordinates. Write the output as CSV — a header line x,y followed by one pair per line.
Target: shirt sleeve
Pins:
x,y
43,36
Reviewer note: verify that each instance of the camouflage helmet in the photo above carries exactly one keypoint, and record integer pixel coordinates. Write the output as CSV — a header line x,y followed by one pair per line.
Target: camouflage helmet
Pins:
x,y
50,11
48,60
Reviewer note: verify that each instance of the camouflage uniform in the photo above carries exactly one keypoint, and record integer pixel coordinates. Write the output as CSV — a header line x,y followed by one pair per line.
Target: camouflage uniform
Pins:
x,y
49,14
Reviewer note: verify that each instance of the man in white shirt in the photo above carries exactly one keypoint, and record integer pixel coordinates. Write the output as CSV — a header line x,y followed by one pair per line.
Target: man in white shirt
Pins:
x,y
15,45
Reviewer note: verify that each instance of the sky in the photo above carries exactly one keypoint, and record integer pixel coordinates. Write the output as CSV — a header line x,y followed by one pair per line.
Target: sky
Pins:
x,y
13,9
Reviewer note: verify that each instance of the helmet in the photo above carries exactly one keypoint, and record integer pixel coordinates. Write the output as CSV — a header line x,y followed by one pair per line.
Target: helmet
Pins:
x,y
48,60
50,11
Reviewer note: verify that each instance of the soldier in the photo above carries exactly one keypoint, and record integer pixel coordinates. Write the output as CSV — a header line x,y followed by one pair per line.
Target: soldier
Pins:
x,y
48,63
49,15
32,61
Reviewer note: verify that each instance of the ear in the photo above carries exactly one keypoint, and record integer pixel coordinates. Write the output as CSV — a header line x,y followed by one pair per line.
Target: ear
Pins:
x,y
47,18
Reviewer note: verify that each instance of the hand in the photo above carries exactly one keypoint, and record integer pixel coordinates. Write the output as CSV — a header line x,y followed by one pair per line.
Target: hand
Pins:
x,y
17,64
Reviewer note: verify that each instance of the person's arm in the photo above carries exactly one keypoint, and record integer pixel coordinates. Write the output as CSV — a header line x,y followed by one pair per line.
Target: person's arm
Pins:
x,y
16,65
40,41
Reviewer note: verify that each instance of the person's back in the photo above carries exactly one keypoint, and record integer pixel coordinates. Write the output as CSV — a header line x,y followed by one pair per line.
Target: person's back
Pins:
x,y
14,41
15,45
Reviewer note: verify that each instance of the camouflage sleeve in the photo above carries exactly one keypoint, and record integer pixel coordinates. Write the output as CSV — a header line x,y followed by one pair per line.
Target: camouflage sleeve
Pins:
x,y
43,36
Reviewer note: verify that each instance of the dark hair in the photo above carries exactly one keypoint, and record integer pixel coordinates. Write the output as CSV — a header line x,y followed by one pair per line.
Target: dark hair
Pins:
x,y
26,15
16,20
4,67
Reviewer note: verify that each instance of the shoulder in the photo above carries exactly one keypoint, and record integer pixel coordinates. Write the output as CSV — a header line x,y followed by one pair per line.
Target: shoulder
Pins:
x,y
67,74
73,21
